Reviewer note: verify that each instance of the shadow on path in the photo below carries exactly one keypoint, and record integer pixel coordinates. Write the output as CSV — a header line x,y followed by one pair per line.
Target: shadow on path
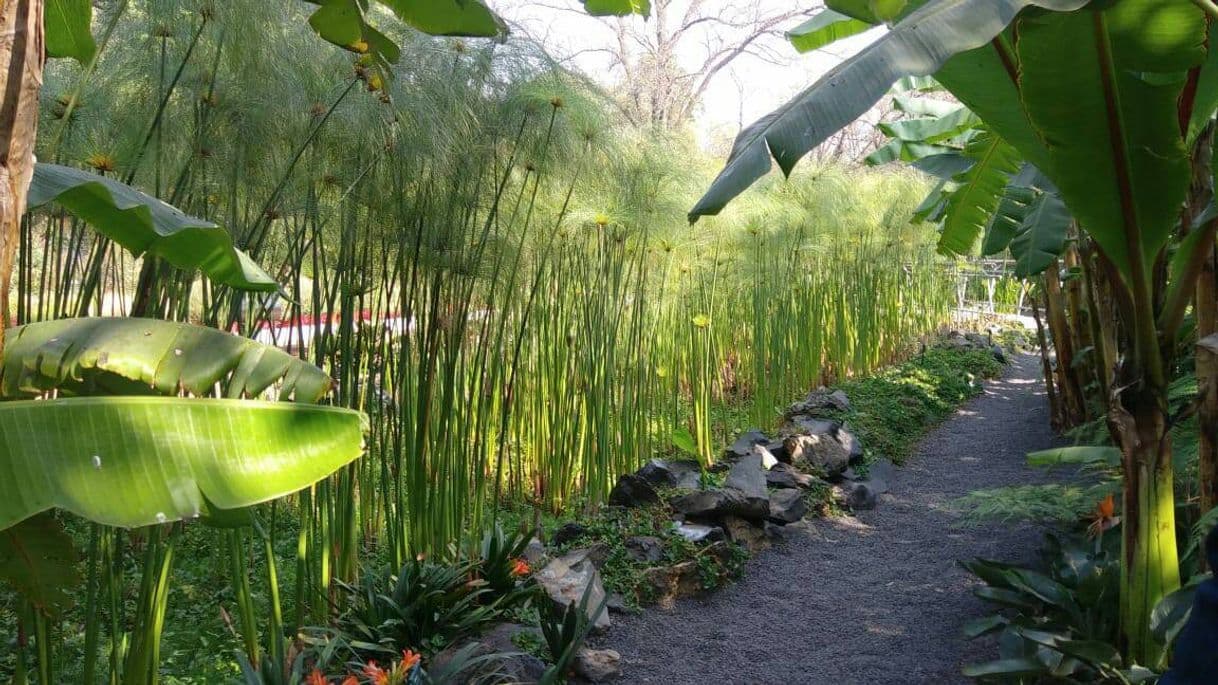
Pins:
x,y
873,599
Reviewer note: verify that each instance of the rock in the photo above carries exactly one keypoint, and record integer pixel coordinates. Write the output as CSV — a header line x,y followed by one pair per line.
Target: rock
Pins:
x,y
513,666
818,452
682,473
848,474
859,496
743,446
1000,354
779,450
598,665
695,532
617,604
774,532
746,534
565,580
715,503
747,476
645,548
810,426
786,476
768,460
633,491
667,583
568,532
820,401
534,552
854,447
787,506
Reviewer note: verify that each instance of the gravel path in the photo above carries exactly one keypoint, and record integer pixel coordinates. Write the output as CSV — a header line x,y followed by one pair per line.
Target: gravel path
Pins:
x,y
873,599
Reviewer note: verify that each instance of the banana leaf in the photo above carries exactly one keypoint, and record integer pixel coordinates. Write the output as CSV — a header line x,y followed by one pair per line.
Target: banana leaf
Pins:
x,y
146,225
137,461
126,356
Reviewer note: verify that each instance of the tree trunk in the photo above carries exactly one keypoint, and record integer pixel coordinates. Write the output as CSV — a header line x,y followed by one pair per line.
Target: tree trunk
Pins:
x,y
1206,305
1059,328
1055,410
1151,567
21,59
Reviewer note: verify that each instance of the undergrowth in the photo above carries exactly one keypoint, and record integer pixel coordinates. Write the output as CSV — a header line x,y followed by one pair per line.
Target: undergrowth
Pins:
x,y
891,410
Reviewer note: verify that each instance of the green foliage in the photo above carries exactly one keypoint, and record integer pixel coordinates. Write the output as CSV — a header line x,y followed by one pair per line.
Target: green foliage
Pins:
x,y
892,409
825,28
1054,503
564,630
146,225
67,25
37,558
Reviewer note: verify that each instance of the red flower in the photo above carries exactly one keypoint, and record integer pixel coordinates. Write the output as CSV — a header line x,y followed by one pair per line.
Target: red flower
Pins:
x,y
350,680
410,659
376,674
521,568
316,678
1104,517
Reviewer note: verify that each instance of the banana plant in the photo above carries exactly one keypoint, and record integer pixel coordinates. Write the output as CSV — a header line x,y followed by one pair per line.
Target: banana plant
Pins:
x,y
1107,99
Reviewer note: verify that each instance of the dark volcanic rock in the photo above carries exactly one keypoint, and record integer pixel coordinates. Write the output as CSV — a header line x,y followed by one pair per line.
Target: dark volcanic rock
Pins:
x,y
683,473
743,446
645,548
787,506
633,491
568,532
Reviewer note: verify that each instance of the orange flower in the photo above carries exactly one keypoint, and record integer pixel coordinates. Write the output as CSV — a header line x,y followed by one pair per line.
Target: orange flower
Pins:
x,y
376,674
1104,517
410,659
316,678
350,680
521,568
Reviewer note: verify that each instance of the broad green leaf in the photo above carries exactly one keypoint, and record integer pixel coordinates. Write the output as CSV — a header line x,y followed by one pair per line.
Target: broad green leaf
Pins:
x,y
67,27
931,129
146,225
1042,236
873,12
924,107
825,28
944,165
138,461
980,189
1172,612
1007,668
1205,99
37,558
130,356
1079,454
684,440
1004,225
342,23
984,625
985,80
1116,151
1005,597
448,17
917,46
617,8
900,150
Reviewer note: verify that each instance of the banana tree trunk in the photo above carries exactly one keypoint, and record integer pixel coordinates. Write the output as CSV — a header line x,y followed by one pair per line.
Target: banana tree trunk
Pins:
x,y
1150,568
1206,306
1059,327
21,60
1055,410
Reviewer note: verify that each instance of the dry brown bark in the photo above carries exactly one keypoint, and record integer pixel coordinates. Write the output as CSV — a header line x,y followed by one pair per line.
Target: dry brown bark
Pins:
x,y
21,59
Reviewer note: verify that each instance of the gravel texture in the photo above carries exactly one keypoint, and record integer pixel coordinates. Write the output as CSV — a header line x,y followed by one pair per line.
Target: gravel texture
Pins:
x,y
876,598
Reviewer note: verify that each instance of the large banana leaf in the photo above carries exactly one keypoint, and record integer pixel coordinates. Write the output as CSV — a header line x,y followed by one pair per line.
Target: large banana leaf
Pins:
x,y
66,25
342,23
617,8
146,225
1042,237
932,129
1102,90
447,17
980,189
38,559
130,356
1007,220
137,461
825,28
916,46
